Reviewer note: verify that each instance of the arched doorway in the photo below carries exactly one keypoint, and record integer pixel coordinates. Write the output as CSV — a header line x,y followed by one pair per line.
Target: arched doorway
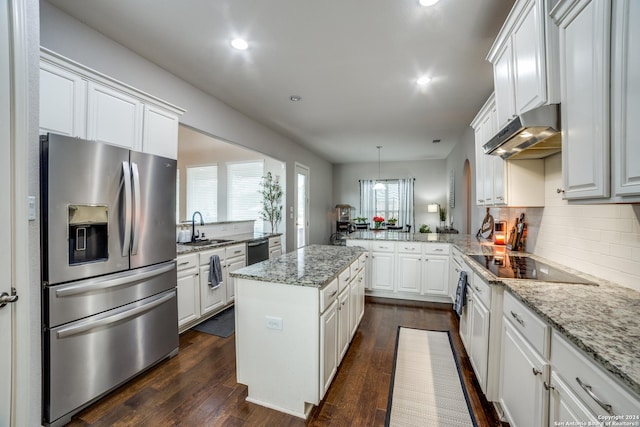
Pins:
x,y
467,195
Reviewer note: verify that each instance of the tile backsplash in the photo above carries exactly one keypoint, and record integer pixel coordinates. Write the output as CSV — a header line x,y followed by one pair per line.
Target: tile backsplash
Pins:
x,y
602,240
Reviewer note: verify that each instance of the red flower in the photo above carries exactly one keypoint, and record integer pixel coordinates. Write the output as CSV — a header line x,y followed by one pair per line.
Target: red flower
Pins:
x,y
378,219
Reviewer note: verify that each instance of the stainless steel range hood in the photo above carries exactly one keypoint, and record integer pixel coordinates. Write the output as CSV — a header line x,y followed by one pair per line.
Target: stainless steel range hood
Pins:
x,y
531,135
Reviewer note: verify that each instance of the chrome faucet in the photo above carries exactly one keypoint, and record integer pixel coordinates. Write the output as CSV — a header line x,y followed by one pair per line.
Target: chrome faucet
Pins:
x,y
194,236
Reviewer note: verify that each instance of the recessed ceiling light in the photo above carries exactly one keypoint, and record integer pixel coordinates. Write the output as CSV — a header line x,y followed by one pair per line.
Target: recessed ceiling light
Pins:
x,y
423,81
428,2
295,98
239,44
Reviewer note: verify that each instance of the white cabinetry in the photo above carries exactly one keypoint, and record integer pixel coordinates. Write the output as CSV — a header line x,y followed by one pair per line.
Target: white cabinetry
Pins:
x,y
504,182
524,57
584,76
197,299
524,366
212,297
188,289
80,102
344,325
63,101
581,388
365,259
625,98
114,117
599,45
275,247
328,335
382,263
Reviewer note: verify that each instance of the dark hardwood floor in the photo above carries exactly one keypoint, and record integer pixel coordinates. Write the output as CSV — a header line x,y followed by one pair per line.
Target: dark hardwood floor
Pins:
x,y
198,386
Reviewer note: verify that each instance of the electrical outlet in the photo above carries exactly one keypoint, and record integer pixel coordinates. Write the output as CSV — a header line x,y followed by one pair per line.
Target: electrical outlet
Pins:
x,y
274,323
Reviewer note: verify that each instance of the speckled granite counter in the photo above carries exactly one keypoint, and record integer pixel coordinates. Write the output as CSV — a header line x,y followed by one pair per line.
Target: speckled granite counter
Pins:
x,y
314,265
603,320
229,240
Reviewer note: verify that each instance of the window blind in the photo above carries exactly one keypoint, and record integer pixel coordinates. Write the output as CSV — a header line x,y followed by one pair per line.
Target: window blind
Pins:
x,y
202,192
244,200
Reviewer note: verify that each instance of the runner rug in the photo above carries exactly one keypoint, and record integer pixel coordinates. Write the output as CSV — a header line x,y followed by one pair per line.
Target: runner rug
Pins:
x,y
426,386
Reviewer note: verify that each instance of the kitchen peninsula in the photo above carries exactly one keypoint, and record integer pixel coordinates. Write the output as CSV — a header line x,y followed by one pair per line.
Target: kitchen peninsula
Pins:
x,y
295,317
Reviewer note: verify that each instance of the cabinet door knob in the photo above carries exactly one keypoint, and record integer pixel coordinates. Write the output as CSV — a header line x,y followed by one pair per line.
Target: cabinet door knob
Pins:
x,y
536,371
559,190
548,386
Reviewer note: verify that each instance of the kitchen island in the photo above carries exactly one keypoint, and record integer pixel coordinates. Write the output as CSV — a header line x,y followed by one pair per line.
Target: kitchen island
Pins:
x,y
295,317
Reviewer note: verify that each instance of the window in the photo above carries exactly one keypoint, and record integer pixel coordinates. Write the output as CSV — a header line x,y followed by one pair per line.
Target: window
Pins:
x,y
395,200
202,192
388,200
244,201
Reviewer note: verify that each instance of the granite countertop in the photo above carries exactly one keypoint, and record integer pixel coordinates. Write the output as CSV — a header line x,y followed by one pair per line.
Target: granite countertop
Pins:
x,y
602,320
313,265
229,240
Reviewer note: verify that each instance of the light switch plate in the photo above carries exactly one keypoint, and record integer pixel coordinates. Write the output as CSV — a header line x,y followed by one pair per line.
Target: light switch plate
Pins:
x,y
274,323
31,212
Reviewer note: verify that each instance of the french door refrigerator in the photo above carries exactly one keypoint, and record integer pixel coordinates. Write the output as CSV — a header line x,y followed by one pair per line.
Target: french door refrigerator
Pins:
x,y
109,306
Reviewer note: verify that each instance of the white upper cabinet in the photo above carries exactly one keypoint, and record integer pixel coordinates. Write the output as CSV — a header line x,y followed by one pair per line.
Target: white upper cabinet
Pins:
x,y
63,101
625,97
160,132
80,102
524,58
504,182
584,77
114,117
600,87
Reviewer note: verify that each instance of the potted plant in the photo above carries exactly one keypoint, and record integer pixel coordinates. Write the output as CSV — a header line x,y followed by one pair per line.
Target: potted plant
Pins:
x,y
271,201
392,221
360,219
378,220
424,228
443,216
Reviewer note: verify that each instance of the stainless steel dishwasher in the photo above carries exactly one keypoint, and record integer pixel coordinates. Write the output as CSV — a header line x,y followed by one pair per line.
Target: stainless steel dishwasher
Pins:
x,y
257,251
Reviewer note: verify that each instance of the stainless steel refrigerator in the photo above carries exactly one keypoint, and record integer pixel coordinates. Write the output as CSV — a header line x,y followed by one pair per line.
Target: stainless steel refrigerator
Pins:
x,y
108,269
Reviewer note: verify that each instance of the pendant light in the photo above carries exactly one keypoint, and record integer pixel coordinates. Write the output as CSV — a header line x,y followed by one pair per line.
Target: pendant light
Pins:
x,y
379,185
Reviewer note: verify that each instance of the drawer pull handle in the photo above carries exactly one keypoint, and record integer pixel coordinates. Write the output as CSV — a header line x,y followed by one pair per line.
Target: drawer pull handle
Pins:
x,y
548,386
333,294
480,290
183,263
438,250
587,389
536,371
518,319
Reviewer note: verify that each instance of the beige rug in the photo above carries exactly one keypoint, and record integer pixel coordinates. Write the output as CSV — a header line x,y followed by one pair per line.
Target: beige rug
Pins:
x,y
426,388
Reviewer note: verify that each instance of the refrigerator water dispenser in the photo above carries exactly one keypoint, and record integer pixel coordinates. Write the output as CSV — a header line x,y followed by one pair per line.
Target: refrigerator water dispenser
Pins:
x,y
88,234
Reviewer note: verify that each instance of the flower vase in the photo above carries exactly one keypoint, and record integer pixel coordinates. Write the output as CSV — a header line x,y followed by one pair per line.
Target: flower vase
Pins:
x,y
377,225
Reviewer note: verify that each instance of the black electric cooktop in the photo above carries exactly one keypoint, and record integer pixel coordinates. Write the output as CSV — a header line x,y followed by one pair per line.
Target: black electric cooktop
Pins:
x,y
522,267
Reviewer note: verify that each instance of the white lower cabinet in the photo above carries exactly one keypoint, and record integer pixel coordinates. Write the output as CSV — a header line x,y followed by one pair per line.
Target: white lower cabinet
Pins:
x,y
478,337
197,299
580,386
522,392
188,289
565,406
344,323
382,277
435,275
328,346
275,247
409,273
524,365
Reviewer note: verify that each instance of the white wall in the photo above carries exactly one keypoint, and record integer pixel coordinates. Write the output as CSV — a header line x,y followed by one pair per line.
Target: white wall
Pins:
x,y
69,37
430,185
463,151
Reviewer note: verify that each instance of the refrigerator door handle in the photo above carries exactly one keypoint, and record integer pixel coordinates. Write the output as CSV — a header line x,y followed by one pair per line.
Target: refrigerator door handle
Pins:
x,y
126,314
126,174
94,285
136,207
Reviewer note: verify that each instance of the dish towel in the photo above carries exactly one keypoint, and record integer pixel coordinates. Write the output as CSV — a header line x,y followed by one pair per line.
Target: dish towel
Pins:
x,y
215,272
461,293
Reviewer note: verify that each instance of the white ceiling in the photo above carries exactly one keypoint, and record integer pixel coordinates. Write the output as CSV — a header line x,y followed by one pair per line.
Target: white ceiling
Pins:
x,y
353,62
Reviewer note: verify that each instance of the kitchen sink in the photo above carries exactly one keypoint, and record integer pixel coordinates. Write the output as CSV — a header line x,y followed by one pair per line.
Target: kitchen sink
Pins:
x,y
205,242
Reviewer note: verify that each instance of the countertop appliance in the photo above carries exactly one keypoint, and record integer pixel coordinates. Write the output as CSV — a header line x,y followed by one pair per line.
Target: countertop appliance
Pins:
x,y
109,306
523,267
534,134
